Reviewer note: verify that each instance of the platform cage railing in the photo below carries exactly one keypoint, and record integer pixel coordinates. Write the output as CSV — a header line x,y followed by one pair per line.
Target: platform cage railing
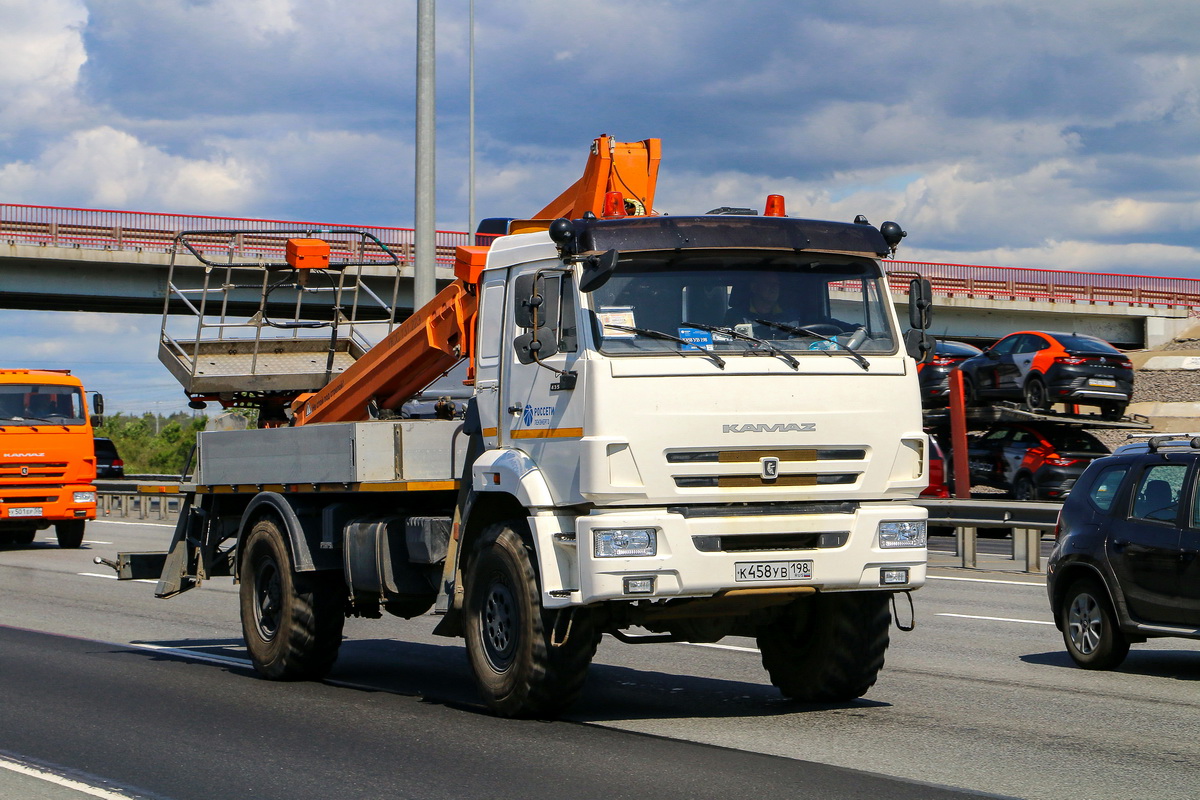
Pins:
x,y
250,330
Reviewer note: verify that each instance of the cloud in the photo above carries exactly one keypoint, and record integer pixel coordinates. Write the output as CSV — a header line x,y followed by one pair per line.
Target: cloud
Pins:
x,y
109,168
43,53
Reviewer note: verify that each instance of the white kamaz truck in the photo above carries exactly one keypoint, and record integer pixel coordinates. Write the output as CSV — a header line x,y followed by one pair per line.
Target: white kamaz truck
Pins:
x,y
679,428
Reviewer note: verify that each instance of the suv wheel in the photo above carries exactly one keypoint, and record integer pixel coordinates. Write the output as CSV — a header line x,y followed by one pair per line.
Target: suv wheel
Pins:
x,y
1036,396
1090,627
1023,489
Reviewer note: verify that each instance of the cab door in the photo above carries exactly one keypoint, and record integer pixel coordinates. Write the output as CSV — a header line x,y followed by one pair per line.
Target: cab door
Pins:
x,y
1143,544
542,408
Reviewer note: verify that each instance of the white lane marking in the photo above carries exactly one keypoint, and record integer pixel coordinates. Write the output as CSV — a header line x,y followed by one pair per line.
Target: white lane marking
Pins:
x,y
113,577
67,783
998,619
120,522
984,580
723,647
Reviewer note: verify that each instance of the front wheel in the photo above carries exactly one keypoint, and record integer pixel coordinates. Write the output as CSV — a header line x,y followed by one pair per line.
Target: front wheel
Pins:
x,y
1090,627
291,621
827,648
519,668
69,533
1112,410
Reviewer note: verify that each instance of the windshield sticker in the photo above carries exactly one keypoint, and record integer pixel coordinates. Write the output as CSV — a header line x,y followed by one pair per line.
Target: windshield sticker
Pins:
x,y
694,337
617,315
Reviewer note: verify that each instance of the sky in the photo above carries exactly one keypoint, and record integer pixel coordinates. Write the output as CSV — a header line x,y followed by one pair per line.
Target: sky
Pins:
x,y
1061,135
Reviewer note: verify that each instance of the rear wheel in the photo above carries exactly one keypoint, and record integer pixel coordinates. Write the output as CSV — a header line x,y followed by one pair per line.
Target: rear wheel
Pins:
x,y
292,622
68,533
827,648
1036,396
1023,488
1113,410
517,667
1090,627
970,398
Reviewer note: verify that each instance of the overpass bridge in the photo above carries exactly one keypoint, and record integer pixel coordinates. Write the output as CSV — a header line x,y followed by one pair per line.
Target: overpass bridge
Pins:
x,y
117,261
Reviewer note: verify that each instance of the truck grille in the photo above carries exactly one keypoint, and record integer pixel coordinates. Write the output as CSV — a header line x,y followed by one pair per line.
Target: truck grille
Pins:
x,y
795,467
29,499
34,470
762,542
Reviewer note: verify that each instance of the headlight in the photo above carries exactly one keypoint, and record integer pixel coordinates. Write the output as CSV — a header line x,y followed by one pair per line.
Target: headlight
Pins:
x,y
85,497
624,542
902,534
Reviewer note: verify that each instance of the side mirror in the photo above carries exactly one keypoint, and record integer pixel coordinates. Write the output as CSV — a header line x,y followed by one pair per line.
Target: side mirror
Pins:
x,y
918,344
535,345
597,270
97,403
920,301
991,355
526,301
95,420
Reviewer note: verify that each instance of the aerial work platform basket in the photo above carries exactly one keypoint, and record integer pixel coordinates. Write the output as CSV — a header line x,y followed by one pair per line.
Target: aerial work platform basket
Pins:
x,y
273,314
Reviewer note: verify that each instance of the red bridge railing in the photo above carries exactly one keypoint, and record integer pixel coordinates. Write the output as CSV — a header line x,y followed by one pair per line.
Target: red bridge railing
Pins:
x,y
148,231
1053,286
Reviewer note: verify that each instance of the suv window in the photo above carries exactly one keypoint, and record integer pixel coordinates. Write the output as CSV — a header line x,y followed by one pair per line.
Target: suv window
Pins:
x,y
1157,495
1104,488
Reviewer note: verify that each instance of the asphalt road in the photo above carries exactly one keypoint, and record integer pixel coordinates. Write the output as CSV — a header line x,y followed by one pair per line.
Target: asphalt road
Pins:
x,y
108,686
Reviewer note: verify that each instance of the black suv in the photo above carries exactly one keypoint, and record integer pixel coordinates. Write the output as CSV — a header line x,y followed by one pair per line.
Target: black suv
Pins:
x,y
108,463
1126,563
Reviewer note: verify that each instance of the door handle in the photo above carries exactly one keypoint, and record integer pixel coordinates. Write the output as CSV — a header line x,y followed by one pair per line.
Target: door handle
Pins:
x,y
515,409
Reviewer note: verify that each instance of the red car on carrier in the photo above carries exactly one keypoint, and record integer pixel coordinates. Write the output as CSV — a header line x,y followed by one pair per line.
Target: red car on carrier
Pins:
x,y
1044,367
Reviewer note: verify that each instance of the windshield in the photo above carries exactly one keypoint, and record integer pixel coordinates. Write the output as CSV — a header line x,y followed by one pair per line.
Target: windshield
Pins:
x,y
798,303
31,404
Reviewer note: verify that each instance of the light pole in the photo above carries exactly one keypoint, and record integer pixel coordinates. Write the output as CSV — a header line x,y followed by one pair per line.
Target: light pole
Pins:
x,y
425,240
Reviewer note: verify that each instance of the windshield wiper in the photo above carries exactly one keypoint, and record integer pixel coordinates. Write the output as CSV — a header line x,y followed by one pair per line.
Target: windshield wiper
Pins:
x,y
791,362
807,330
720,362
25,419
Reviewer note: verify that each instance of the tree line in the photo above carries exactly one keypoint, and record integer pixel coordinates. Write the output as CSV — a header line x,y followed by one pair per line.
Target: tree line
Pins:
x,y
153,444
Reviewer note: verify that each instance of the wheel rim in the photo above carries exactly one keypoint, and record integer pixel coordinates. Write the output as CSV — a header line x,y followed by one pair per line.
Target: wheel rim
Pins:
x,y
1024,490
1035,394
268,596
1085,623
499,623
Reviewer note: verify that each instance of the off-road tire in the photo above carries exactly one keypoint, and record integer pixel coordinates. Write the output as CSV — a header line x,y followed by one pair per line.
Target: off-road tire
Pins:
x,y
828,648
1036,396
1090,629
291,621
518,670
69,533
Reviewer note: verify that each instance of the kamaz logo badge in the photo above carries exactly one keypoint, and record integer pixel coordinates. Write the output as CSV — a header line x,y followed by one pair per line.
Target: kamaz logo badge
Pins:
x,y
769,467
763,427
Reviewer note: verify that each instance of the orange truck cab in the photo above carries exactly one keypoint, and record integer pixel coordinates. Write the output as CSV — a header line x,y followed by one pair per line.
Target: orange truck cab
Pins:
x,y
47,456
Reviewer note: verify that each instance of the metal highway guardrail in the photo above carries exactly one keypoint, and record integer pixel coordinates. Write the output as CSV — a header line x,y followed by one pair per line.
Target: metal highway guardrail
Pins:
x,y
137,499
1027,521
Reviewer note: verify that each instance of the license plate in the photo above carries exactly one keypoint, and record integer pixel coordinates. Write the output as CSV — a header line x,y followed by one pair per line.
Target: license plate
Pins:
x,y
26,511
772,571
1101,382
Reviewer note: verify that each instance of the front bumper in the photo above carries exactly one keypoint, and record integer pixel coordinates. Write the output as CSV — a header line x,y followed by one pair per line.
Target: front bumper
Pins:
x,y
52,504
697,554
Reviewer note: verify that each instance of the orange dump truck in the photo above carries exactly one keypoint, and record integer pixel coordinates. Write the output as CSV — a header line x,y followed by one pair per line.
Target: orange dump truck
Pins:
x,y
47,456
